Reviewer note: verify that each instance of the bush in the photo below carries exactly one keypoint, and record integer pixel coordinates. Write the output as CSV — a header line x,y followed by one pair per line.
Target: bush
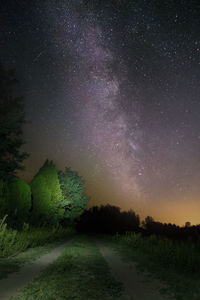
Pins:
x,y
180,255
14,241
50,173
4,197
43,206
74,196
19,203
47,195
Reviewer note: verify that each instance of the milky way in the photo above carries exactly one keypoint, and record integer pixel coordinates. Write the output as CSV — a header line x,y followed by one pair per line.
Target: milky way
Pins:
x,y
102,119
112,90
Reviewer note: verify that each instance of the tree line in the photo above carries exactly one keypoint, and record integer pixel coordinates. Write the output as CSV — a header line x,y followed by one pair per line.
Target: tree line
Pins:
x,y
53,196
57,196
109,219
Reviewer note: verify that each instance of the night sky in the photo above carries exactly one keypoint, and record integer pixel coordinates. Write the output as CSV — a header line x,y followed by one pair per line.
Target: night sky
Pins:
x,y
112,90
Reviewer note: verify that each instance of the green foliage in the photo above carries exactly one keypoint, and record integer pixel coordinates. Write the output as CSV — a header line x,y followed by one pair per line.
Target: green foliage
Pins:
x,y
50,173
19,202
47,195
15,200
4,197
11,121
75,200
43,206
57,198
14,241
179,255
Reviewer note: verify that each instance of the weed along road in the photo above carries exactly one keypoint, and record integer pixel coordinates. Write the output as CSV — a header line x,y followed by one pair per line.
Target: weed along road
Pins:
x,y
16,281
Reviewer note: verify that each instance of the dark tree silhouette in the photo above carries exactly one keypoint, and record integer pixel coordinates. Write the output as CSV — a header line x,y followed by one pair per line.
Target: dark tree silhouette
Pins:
x,y
109,220
11,121
149,227
187,224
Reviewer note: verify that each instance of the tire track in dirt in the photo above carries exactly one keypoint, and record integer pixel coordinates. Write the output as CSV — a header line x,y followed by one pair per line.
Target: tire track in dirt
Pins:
x,y
11,285
137,285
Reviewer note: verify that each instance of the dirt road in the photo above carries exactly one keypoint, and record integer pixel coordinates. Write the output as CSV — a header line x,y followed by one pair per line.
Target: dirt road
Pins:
x,y
138,286
10,286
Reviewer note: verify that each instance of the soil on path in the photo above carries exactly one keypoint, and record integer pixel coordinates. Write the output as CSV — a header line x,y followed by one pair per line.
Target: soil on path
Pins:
x,y
138,286
11,286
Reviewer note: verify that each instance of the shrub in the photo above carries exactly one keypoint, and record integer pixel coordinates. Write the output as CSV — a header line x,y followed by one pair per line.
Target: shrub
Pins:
x,y
4,197
74,196
43,206
14,241
19,203
181,255
47,195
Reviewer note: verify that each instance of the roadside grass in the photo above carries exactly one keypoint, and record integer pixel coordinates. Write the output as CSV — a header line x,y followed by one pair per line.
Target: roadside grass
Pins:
x,y
80,273
20,247
173,262
13,241
12,264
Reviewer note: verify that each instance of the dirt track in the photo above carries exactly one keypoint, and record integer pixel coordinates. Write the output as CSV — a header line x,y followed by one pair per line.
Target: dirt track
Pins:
x,y
137,285
11,285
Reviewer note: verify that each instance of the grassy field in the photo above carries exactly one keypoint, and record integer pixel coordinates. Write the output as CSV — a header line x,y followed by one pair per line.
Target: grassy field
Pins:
x,y
175,263
79,273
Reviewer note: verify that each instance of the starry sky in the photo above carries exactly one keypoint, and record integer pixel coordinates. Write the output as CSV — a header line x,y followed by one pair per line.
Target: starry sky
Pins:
x,y
111,89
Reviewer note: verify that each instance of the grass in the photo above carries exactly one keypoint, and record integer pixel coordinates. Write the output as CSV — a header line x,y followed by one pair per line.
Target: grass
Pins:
x,y
174,262
80,273
182,255
20,247
13,241
12,264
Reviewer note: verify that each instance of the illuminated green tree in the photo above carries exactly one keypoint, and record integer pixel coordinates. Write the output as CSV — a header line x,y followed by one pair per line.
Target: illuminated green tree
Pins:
x,y
43,206
4,197
47,194
75,200
50,173
19,203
